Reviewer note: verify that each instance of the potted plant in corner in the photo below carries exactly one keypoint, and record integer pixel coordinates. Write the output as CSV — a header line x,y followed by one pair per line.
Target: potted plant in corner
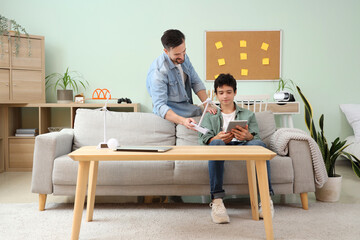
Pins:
x,y
66,81
330,192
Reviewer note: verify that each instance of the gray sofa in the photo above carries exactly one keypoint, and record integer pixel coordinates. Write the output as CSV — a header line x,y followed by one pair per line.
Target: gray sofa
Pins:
x,y
55,173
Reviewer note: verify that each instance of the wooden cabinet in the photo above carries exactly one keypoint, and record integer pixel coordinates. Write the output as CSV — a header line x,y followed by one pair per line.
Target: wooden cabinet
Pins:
x,y
16,153
21,153
29,55
2,137
22,74
26,85
4,84
4,52
22,81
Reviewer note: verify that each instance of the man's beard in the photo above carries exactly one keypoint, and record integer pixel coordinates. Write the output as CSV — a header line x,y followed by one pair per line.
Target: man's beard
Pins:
x,y
179,60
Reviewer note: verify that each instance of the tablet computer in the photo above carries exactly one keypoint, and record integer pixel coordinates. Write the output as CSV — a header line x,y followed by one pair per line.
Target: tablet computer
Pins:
x,y
143,149
233,123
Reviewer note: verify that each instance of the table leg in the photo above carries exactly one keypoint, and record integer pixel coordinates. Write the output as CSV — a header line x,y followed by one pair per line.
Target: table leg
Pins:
x,y
283,121
91,190
250,166
290,121
265,197
83,173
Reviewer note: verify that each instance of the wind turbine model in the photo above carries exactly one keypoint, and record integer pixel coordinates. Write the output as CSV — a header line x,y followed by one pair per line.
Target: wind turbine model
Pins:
x,y
198,127
104,108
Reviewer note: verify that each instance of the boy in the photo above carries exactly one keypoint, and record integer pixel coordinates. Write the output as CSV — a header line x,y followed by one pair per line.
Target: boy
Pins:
x,y
225,90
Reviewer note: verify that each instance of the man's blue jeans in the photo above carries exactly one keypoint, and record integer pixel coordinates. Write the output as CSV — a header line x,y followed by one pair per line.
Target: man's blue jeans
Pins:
x,y
216,169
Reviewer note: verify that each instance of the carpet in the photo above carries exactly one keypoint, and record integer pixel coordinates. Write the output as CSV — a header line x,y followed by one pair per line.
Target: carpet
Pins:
x,y
179,221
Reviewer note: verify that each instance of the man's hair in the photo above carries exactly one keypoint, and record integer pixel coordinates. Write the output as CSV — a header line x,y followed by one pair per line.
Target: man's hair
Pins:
x,y
225,79
172,38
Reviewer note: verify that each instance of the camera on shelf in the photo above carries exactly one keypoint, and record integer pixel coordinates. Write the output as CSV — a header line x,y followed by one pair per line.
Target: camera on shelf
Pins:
x,y
124,100
284,97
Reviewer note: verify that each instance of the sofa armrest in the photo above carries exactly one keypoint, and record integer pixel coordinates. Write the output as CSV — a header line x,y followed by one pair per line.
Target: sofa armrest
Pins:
x,y
48,147
299,152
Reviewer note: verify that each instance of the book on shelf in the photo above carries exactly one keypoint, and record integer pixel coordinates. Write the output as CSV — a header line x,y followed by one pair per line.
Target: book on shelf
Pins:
x,y
25,134
27,131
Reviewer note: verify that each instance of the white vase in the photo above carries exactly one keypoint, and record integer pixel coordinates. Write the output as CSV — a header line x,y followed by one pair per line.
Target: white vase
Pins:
x,y
331,190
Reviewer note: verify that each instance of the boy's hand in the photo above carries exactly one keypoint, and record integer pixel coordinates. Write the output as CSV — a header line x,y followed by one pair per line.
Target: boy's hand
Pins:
x,y
242,134
226,137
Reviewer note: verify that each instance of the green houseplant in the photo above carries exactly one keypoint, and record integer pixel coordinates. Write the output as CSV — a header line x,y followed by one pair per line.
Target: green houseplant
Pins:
x,y
329,152
284,91
285,84
8,26
67,82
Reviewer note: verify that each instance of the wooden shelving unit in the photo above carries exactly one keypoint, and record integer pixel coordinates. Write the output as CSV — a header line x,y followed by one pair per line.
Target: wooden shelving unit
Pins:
x,y
22,74
22,81
2,132
16,153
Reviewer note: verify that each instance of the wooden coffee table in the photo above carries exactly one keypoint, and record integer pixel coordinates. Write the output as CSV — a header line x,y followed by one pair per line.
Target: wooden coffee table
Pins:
x,y
255,156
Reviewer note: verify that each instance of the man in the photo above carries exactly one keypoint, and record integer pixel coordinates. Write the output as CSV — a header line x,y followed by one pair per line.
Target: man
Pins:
x,y
225,90
171,78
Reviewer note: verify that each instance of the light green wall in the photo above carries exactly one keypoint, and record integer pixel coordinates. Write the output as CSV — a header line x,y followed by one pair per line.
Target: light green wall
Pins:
x,y
113,43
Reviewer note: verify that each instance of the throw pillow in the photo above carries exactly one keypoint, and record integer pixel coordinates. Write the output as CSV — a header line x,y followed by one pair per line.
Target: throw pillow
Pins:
x,y
352,113
267,126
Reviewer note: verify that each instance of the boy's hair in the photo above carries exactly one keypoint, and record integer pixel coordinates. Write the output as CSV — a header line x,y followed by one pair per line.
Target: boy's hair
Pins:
x,y
225,79
172,38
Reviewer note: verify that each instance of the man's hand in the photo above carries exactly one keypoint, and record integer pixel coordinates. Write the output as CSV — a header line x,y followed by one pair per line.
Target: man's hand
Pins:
x,y
211,109
226,137
242,134
173,117
187,123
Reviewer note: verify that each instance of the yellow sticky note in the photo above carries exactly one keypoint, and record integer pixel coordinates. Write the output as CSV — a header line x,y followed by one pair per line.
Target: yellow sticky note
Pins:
x,y
243,56
216,76
244,72
265,61
264,46
218,45
242,43
221,61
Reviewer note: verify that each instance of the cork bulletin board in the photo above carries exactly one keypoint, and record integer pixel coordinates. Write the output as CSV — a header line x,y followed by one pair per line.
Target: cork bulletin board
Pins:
x,y
247,55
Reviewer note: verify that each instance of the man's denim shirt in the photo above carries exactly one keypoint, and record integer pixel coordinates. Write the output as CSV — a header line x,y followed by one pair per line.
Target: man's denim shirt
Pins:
x,y
167,90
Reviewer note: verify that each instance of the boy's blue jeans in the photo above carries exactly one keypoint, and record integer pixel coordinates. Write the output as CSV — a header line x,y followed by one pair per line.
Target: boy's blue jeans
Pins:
x,y
216,169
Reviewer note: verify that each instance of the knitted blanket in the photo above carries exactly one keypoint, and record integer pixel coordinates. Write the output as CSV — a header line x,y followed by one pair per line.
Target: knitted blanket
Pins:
x,y
279,144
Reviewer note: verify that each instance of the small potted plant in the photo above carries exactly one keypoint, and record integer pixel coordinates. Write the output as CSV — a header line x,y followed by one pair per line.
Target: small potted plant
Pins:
x,y
67,82
330,192
9,27
283,92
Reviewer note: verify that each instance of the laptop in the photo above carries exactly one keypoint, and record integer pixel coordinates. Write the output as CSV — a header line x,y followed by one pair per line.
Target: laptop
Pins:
x,y
143,149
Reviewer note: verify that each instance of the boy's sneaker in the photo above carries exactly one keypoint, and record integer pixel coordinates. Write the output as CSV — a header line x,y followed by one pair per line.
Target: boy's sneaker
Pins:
x,y
271,209
218,211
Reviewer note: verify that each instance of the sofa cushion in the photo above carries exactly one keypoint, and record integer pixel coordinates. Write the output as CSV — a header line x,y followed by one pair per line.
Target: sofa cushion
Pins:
x,y
267,125
234,171
133,173
128,128
113,173
185,136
